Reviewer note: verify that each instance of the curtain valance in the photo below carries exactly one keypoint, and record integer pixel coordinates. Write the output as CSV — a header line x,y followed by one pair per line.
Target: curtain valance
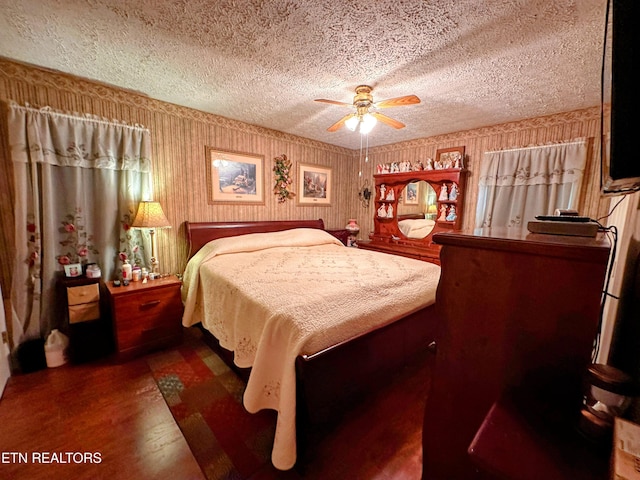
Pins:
x,y
541,165
84,141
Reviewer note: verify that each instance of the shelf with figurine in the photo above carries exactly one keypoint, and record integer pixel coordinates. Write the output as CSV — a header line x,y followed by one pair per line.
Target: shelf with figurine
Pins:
x,y
446,159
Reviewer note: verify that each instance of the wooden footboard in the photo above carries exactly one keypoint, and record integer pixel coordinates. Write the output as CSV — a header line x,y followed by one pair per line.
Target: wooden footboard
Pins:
x,y
333,380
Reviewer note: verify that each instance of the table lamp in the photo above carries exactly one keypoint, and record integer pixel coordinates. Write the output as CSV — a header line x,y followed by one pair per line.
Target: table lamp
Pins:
x,y
431,212
150,216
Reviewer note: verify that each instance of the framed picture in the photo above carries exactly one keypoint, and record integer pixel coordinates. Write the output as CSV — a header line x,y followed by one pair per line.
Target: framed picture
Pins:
x,y
314,185
235,177
410,195
73,270
449,158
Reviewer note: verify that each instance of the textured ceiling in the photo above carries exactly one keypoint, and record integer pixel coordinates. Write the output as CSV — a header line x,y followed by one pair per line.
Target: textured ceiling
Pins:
x,y
472,63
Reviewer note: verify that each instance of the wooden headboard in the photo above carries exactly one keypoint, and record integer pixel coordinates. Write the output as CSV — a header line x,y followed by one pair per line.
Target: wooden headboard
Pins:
x,y
201,233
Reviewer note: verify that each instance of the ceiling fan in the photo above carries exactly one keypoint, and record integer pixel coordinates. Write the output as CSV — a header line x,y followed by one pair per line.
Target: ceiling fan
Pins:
x,y
365,116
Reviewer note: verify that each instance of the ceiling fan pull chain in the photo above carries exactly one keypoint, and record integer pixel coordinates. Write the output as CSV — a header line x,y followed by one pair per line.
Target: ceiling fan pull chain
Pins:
x,y
360,161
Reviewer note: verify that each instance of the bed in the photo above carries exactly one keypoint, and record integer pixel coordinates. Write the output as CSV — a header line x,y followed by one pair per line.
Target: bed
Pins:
x,y
312,324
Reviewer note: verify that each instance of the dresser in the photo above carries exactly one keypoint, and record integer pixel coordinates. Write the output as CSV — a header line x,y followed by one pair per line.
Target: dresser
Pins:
x,y
401,222
146,316
518,315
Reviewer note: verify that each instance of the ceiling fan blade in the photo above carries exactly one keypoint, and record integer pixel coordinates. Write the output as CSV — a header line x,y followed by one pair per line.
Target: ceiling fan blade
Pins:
x,y
397,102
340,123
388,120
333,102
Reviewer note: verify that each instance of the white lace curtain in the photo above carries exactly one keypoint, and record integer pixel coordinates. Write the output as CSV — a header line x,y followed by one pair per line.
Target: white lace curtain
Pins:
x,y
518,184
78,181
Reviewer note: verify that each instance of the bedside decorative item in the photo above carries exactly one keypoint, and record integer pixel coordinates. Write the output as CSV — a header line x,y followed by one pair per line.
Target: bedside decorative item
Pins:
x,y
73,270
282,170
353,228
93,271
126,271
150,216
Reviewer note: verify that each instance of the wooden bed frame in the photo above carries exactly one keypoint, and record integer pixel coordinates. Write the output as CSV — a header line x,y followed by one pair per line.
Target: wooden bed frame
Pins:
x,y
334,379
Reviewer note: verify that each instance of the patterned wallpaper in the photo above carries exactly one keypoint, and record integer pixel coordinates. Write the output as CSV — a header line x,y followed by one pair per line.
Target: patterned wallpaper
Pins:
x,y
180,136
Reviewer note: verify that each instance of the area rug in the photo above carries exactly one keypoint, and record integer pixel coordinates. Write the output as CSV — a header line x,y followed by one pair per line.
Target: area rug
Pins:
x,y
205,398
380,438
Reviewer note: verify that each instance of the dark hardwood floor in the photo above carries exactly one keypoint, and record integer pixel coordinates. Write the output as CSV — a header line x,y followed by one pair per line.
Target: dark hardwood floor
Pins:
x,y
114,413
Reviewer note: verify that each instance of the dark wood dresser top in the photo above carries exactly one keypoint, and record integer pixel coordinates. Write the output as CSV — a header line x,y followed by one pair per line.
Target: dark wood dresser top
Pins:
x,y
590,249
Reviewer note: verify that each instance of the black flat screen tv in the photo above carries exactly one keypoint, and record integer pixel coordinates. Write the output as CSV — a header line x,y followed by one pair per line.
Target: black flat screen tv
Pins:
x,y
620,155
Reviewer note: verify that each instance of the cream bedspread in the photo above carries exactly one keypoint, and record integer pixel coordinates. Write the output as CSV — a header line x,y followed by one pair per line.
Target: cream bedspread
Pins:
x,y
416,227
269,297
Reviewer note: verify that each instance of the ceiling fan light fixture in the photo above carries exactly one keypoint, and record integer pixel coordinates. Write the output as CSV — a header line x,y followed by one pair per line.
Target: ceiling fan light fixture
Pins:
x,y
367,122
352,123
364,120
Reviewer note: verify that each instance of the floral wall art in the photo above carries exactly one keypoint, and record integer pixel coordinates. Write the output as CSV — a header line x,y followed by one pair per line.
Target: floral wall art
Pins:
x,y
282,172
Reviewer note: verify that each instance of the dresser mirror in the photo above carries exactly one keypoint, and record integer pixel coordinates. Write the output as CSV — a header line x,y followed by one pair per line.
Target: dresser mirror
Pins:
x,y
417,209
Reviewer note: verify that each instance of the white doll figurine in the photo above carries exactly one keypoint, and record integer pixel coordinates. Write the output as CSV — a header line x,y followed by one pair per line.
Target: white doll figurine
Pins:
x,y
457,163
390,211
451,216
391,195
382,211
429,164
453,193
383,190
443,213
444,195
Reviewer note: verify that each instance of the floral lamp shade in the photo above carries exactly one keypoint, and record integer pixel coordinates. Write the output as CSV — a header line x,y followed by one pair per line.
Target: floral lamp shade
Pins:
x,y
150,215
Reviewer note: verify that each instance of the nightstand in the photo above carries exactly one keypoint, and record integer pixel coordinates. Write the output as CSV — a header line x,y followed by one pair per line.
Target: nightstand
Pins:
x,y
146,316
85,319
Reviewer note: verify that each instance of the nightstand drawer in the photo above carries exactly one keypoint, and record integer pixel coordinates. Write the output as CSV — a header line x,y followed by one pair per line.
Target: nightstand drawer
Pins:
x,y
83,294
149,303
84,312
137,332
